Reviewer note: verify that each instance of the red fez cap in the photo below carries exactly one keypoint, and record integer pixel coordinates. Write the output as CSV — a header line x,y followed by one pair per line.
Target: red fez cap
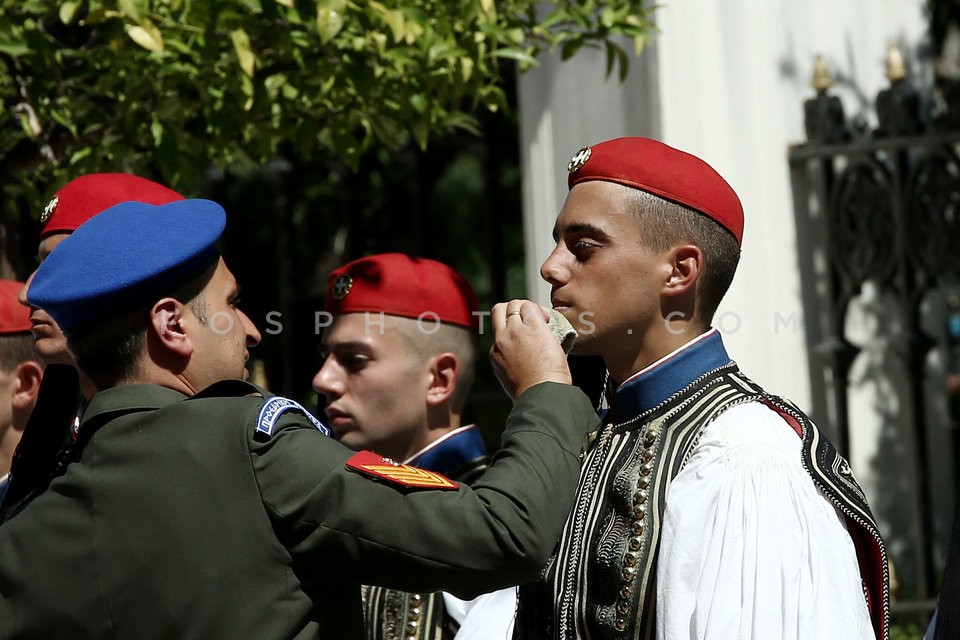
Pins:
x,y
86,196
14,317
666,172
401,285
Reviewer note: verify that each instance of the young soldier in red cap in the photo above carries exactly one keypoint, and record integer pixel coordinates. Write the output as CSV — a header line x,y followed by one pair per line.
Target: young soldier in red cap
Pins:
x,y
399,361
200,506
59,402
78,201
707,508
20,374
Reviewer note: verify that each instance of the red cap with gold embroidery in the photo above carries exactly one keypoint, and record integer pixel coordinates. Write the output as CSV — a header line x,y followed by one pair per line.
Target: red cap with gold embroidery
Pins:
x,y
666,172
400,285
14,317
86,196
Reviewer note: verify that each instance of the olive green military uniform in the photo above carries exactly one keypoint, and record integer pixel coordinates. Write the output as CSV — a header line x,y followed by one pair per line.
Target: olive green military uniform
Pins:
x,y
179,519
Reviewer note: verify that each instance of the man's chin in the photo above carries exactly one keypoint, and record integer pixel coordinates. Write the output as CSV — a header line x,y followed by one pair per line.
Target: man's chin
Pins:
x,y
52,351
585,345
349,439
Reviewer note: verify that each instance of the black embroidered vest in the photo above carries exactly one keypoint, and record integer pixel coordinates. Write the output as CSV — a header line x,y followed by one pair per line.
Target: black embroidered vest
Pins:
x,y
396,615
601,581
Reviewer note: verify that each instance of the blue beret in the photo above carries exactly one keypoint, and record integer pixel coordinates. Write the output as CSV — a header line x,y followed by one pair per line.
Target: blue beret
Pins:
x,y
123,256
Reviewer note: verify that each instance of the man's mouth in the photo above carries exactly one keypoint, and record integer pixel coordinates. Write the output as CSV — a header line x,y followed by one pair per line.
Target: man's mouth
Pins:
x,y
338,419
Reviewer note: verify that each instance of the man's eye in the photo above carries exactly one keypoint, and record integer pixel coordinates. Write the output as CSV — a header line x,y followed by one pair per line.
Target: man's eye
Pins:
x,y
354,362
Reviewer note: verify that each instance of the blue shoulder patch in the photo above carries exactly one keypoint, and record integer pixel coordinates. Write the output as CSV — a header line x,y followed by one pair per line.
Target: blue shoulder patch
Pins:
x,y
275,406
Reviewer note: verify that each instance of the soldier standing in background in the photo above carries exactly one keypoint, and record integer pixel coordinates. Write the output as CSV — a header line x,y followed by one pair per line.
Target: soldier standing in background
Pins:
x,y
399,359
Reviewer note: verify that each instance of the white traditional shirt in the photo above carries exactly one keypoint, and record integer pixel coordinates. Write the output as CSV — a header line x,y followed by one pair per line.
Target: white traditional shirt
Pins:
x,y
751,549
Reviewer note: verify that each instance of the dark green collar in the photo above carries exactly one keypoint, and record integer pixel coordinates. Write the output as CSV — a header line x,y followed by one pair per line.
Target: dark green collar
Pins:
x,y
127,398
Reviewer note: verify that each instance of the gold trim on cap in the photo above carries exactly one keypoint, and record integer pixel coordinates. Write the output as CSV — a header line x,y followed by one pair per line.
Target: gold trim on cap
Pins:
x,y
341,286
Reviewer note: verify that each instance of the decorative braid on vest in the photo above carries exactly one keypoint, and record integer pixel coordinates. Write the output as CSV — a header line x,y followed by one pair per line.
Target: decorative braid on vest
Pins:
x,y
396,615
601,582
389,614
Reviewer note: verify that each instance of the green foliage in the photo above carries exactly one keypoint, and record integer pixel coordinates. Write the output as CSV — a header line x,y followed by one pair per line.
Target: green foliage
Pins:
x,y
906,632
167,87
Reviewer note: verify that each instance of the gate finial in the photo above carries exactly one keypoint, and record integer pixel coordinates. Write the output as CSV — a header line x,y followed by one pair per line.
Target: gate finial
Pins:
x,y
821,75
896,67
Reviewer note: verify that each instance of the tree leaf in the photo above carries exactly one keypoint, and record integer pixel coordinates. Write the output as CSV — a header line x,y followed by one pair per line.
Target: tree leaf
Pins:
x,y
132,9
569,48
516,54
253,5
80,154
393,18
98,16
611,52
146,35
419,102
340,6
68,11
466,67
329,24
13,47
624,63
421,133
245,55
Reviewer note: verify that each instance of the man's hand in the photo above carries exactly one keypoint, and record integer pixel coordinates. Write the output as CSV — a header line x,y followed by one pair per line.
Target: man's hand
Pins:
x,y
525,352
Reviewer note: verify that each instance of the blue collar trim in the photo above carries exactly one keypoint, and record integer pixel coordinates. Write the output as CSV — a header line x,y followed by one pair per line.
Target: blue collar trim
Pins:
x,y
452,452
650,388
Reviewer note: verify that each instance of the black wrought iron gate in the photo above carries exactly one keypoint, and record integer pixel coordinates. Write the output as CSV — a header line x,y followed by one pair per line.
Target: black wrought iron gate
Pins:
x,y
878,228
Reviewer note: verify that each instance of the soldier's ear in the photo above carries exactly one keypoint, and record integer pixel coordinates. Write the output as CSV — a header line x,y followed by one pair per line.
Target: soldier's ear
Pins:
x,y
167,326
444,375
27,385
686,265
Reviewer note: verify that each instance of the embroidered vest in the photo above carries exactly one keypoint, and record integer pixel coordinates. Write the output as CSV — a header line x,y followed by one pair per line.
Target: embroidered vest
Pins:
x,y
601,581
397,615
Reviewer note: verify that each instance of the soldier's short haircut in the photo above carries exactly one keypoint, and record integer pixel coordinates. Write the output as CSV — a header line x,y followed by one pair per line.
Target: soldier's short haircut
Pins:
x,y
14,349
109,352
666,224
428,339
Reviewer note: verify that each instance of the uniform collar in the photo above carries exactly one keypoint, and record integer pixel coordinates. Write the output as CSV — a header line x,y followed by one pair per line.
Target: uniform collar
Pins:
x,y
450,452
127,398
668,375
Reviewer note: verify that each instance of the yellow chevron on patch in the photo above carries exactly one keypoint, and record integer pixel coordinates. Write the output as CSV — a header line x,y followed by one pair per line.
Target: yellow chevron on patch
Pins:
x,y
411,475
372,464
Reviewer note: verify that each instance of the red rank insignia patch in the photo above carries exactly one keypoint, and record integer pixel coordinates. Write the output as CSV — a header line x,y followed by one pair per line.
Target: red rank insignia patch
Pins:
x,y
372,464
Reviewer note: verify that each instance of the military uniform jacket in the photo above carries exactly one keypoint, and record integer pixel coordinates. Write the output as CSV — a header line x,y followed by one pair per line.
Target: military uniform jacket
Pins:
x,y
234,517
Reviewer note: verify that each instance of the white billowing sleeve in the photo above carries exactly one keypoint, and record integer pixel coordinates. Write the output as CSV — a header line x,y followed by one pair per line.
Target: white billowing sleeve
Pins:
x,y
487,617
750,548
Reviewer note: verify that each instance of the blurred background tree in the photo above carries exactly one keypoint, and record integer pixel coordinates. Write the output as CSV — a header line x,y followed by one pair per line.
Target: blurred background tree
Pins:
x,y
329,129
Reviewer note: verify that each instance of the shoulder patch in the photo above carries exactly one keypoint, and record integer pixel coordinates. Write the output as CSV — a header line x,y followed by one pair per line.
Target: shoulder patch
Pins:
x,y
275,406
371,464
